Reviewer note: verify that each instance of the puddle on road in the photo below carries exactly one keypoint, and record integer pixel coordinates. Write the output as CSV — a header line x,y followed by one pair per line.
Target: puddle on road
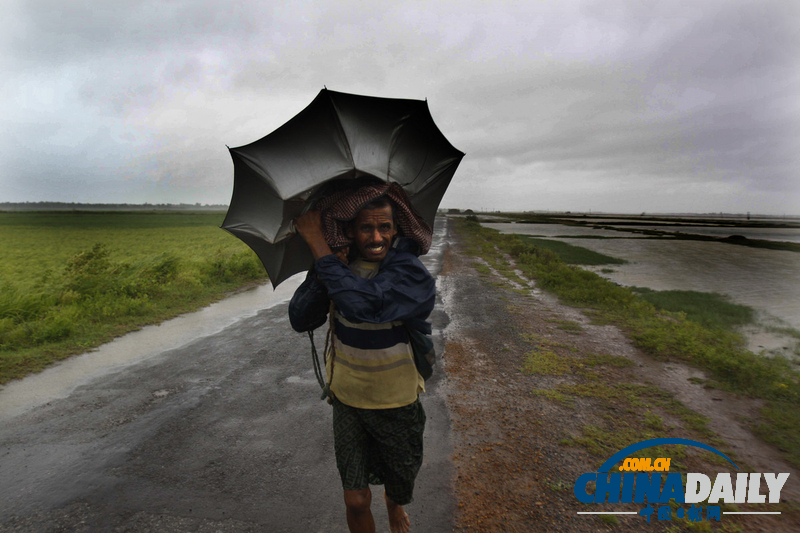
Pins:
x,y
59,380
298,380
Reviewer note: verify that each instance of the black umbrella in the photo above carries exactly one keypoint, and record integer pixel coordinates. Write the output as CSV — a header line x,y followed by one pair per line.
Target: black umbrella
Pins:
x,y
339,136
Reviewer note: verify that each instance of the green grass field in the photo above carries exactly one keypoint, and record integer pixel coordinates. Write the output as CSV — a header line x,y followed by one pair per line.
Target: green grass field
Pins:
x,y
31,243
73,280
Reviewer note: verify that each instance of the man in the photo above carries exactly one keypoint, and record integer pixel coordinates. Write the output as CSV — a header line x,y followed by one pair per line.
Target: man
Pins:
x,y
373,381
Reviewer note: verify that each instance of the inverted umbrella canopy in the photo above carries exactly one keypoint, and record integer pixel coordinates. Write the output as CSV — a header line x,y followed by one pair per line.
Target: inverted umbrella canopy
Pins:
x,y
339,136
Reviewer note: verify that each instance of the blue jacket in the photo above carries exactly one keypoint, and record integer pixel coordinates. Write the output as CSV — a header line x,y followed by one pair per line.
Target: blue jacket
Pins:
x,y
403,289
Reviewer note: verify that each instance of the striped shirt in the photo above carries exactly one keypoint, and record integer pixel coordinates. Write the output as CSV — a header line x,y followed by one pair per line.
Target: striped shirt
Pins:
x,y
373,364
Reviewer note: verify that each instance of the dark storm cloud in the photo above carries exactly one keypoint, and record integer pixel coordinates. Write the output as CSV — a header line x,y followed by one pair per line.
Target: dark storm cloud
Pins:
x,y
713,97
54,32
584,100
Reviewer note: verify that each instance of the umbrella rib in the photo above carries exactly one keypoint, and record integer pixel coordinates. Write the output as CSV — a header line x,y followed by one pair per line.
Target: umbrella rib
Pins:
x,y
392,142
341,129
395,135
258,169
427,153
424,161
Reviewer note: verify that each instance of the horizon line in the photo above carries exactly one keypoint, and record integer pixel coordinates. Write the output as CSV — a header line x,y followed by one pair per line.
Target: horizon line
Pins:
x,y
483,211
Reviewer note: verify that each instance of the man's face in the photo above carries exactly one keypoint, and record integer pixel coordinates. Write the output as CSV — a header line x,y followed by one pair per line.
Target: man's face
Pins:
x,y
372,231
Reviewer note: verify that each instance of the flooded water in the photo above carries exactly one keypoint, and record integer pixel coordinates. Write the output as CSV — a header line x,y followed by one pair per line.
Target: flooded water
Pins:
x,y
764,279
712,229
59,380
552,230
611,221
767,280
767,234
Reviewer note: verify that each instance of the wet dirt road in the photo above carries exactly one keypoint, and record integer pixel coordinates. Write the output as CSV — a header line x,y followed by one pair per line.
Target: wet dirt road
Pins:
x,y
225,433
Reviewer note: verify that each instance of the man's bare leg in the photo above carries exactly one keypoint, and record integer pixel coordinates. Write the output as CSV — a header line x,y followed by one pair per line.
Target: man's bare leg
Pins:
x,y
359,515
398,518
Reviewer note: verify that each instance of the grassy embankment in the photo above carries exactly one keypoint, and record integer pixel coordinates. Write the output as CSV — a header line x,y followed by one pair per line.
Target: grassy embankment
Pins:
x,y
72,281
679,325
707,308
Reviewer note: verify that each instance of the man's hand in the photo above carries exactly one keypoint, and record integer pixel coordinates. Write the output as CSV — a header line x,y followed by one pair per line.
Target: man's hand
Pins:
x,y
342,254
309,226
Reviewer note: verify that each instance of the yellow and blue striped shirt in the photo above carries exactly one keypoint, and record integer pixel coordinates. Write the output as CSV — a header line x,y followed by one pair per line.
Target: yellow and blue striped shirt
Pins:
x,y
373,364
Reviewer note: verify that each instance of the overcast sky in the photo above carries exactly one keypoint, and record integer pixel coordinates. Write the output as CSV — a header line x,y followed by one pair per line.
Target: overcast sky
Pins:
x,y
621,106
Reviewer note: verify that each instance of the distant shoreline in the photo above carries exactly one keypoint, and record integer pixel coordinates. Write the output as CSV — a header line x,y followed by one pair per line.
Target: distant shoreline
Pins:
x,y
576,215
72,206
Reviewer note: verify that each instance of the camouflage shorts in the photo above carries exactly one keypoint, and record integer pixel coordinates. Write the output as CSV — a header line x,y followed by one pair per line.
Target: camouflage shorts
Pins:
x,y
379,447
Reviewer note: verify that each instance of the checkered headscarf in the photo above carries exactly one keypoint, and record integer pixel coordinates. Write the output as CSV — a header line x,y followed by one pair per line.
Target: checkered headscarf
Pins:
x,y
342,206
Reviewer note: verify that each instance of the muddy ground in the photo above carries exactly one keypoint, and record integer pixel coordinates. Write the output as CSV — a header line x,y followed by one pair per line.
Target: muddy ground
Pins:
x,y
515,451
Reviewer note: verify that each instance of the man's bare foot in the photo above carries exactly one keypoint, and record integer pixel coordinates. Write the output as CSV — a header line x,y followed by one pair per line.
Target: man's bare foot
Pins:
x,y
398,518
